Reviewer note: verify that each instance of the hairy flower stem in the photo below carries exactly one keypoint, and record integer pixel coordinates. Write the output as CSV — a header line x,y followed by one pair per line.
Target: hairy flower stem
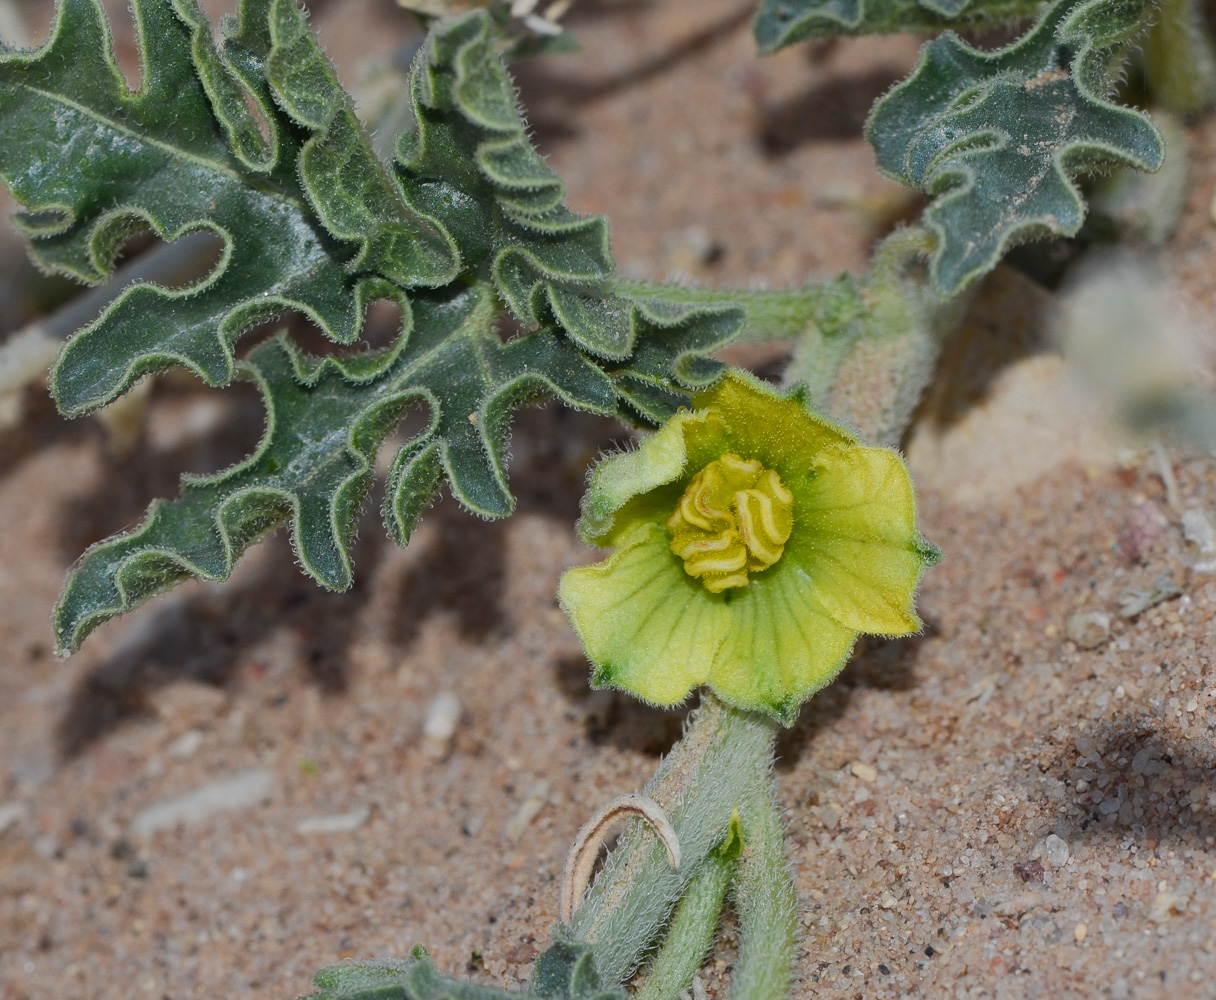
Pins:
x,y
691,932
769,313
765,901
871,371
724,755
752,864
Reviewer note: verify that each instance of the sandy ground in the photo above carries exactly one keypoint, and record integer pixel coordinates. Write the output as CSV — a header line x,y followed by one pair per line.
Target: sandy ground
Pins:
x,y
987,810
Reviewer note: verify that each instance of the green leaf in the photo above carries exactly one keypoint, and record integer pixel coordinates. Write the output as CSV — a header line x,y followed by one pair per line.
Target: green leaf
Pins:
x,y
256,141
568,974
566,971
996,137
505,208
779,23
326,418
91,161
313,467
362,981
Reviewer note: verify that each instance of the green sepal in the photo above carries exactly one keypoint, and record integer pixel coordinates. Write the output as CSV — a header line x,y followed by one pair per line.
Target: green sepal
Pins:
x,y
732,844
996,137
779,23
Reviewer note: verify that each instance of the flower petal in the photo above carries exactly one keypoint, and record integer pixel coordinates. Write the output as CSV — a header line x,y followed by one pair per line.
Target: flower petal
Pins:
x,y
647,625
629,488
764,424
781,647
855,534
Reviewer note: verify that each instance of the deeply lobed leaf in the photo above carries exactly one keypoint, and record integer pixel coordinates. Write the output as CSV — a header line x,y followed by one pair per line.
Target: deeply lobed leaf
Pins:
x,y
468,218
996,137
505,208
779,23
91,161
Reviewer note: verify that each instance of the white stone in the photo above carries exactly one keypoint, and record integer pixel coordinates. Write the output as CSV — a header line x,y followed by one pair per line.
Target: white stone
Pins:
x,y
1198,531
1088,629
12,813
237,792
442,718
334,823
866,772
1056,850
187,744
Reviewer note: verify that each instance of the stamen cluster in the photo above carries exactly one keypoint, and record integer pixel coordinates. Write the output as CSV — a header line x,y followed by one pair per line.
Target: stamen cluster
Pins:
x,y
733,519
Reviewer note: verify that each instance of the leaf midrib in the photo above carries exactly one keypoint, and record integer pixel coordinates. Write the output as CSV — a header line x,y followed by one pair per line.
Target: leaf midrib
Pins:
x,y
252,181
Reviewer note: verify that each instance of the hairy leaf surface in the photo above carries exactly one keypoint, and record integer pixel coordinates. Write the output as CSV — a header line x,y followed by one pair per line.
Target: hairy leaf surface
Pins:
x,y
472,198
996,137
91,161
505,208
779,23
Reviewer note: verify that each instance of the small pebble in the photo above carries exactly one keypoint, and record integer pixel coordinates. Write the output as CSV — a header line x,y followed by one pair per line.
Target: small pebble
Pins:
x,y
1140,532
866,772
11,814
334,823
1142,762
1165,904
438,730
1056,849
828,815
238,792
528,811
1088,629
1029,871
1080,932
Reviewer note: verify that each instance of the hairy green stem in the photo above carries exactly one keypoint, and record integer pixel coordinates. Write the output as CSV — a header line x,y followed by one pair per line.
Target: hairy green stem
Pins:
x,y
712,769
1178,59
765,901
770,313
691,933
869,366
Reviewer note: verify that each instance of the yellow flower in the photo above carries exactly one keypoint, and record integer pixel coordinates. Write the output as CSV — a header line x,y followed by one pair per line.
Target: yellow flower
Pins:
x,y
755,539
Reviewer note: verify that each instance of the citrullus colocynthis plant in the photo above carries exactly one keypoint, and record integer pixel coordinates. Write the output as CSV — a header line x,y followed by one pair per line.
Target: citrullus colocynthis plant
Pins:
x,y
755,540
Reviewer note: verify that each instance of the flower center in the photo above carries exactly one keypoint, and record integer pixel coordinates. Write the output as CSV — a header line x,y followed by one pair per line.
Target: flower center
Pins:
x,y
734,519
